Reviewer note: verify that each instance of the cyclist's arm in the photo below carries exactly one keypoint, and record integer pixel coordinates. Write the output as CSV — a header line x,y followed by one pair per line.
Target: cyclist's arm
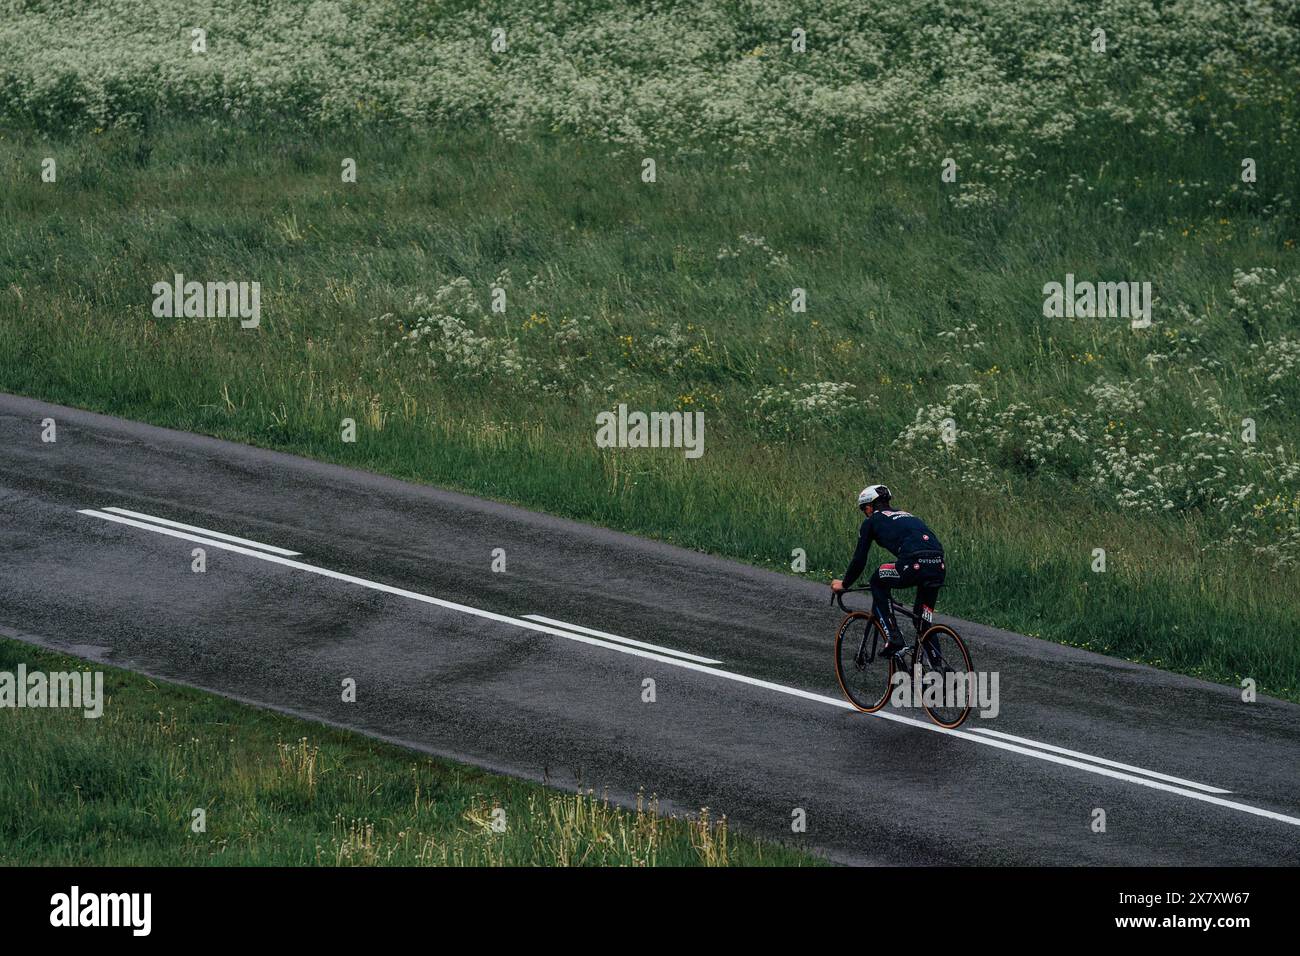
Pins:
x,y
859,562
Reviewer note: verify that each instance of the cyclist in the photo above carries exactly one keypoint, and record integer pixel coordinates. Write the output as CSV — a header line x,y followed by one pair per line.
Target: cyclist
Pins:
x,y
919,560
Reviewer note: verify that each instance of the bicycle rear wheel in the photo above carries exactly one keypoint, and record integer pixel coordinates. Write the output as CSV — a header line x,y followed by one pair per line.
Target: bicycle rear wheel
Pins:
x,y
942,651
863,671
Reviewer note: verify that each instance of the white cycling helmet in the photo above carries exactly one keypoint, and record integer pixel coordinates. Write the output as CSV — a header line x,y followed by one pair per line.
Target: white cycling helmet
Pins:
x,y
871,493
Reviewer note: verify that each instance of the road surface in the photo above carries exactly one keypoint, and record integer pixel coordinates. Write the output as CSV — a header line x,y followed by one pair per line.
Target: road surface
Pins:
x,y
318,573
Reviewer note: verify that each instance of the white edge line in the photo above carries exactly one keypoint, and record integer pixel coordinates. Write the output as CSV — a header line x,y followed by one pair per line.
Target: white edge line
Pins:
x,y
1101,760
717,672
211,534
387,588
622,640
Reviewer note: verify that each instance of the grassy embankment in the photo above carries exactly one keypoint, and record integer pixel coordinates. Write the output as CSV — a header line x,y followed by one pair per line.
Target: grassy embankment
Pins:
x,y
620,291
121,790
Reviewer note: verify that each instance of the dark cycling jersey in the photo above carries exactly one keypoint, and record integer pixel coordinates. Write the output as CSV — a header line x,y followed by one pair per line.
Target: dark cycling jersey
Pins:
x,y
900,533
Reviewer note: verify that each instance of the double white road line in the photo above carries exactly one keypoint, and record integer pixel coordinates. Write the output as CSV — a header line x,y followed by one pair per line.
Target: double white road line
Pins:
x,y
666,655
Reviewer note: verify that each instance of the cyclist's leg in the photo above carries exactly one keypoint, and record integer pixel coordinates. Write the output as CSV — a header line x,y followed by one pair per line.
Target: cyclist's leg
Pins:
x,y
925,570
927,591
885,578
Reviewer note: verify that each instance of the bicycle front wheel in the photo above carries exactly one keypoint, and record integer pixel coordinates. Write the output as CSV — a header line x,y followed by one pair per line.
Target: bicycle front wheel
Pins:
x,y
863,670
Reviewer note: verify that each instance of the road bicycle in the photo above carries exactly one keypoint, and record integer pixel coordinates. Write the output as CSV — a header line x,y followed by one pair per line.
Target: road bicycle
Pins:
x,y
866,675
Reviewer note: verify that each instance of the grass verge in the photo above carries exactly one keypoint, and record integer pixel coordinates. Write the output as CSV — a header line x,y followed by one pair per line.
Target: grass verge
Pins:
x,y
122,790
1074,435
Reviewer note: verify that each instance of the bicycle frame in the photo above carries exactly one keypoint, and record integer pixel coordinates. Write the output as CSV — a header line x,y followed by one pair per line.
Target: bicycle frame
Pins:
x,y
900,610
908,658
903,609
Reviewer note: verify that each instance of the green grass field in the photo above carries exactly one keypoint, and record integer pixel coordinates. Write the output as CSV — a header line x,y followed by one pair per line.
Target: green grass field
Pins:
x,y
616,293
121,790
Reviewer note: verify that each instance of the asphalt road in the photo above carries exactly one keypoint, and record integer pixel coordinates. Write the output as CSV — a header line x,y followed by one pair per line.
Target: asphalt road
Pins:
x,y
391,584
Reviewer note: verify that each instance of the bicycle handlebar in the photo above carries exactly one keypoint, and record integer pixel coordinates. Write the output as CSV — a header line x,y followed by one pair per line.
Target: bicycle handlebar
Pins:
x,y
838,596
